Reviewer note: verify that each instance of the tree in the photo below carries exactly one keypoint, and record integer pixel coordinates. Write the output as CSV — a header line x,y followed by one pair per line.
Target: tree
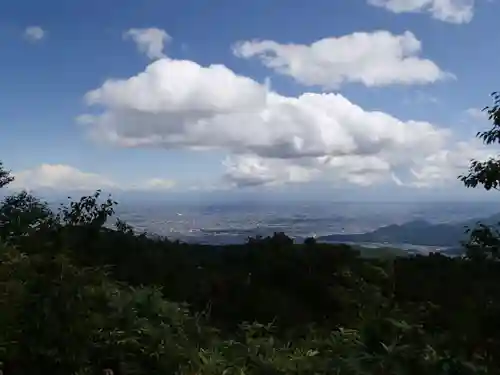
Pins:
x,y
23,214
310,241
487,173
88,211
5,176
484,241
58,318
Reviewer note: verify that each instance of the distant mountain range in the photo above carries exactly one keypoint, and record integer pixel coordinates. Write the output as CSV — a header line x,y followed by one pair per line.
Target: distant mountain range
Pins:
x,y
417,232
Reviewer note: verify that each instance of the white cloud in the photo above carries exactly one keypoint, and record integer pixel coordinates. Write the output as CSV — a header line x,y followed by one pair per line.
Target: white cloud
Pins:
x,y
445,165
453,11
34,33
271,138
67,178
181,104
360,169
252,170
149,41
378,58
59,177
157,184
182,89
438,168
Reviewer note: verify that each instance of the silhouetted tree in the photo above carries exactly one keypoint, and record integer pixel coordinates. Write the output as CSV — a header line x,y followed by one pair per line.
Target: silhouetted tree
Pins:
x,y
22,214
484,241
5,176
310,241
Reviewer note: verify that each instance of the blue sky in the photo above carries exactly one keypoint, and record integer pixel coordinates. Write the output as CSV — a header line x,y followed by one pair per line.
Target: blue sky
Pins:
x,y
55,52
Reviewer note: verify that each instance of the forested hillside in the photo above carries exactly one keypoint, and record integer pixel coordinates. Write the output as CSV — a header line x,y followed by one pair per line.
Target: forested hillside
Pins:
x,y
77,298
417,232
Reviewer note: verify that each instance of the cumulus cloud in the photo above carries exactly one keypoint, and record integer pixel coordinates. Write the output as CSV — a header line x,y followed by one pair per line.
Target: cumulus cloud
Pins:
x,y
150,41
270,138
445,165
379,58
439,168
67,178
252,170
181,87
157,184
60,177
361,170
453,11
34,33
181,104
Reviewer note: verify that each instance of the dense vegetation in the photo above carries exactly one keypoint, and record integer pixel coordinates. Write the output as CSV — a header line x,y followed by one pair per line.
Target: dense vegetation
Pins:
x,y
77,298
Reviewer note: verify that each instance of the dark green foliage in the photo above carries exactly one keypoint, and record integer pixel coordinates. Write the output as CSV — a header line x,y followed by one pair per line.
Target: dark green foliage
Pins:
x,y
484,240
5,176
22,214
487,173
77,305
